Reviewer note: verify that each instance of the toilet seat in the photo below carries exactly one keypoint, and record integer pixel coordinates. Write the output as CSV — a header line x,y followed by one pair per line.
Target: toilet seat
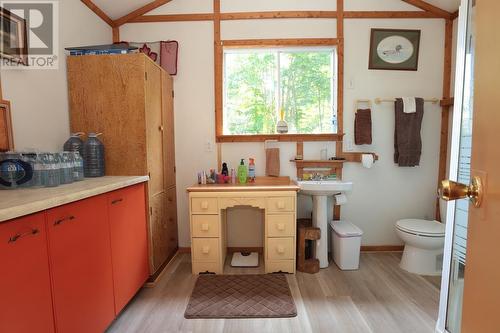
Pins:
x,y
423,228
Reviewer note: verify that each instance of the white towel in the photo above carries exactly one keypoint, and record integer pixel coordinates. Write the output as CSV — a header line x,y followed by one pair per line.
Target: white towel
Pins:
x,y
409,105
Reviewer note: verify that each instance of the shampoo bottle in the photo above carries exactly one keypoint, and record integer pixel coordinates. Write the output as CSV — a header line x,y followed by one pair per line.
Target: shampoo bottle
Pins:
x,y
251,169
242,172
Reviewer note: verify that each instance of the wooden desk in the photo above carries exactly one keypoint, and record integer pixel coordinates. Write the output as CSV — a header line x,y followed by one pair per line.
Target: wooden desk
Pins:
x,y
207,210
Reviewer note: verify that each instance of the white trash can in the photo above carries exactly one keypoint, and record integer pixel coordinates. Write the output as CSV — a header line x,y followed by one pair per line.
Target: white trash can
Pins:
x,y
346,243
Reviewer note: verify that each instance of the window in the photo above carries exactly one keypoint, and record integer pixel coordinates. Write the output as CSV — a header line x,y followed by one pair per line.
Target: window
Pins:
x,y
262,85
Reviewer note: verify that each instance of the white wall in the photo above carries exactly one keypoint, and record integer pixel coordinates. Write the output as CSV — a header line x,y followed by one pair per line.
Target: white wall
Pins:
x,y
39,97
382,194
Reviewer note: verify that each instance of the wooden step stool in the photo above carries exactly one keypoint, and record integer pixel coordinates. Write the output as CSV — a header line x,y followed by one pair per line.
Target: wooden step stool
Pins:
x,y
307,263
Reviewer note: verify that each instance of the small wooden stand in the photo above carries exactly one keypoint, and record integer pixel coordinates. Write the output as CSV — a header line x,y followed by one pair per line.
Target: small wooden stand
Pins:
x,y
307,264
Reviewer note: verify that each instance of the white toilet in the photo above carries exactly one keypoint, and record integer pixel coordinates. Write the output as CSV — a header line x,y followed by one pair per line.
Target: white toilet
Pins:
x,y
424,244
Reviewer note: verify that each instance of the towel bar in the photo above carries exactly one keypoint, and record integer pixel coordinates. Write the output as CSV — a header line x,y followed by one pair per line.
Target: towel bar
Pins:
x,y
379,100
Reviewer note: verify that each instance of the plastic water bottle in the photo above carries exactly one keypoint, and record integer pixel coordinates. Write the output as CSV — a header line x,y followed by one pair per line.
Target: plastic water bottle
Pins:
x,y
77,167
74,143
65,167
93,156
51,176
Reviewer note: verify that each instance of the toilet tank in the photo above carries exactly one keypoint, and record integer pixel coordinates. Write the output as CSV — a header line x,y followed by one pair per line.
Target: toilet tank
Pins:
x,y
443,204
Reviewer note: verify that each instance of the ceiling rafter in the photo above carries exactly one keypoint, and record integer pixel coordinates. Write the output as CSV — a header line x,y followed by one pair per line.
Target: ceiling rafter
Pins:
x,y
429,8
98,11
140,11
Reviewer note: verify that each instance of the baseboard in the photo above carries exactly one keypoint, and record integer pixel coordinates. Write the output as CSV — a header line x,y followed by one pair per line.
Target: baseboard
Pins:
x,y
153,279
184,250
382,248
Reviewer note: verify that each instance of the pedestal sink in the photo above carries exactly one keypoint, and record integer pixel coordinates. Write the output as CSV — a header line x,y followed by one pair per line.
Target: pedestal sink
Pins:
x,y
320,190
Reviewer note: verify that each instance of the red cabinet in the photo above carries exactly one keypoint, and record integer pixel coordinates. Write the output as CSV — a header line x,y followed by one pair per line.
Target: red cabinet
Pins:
x,y
25,293
129,248
80,257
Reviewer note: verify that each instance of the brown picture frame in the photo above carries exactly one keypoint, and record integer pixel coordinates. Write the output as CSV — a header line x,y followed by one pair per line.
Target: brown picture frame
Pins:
x,y
377,63
18,52
6,134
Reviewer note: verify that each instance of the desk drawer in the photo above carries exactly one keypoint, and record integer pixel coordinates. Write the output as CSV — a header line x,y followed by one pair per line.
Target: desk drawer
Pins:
x,y
280,248
281,204
204,205
205,249
281,225
206,267
205,225
283,266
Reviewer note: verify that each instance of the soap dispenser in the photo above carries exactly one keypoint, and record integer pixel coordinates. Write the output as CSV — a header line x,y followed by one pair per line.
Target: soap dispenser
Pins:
x,y
242,172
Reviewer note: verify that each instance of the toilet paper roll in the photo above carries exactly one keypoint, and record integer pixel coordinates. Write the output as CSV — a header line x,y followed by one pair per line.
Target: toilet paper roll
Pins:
x,y
340,199
367,160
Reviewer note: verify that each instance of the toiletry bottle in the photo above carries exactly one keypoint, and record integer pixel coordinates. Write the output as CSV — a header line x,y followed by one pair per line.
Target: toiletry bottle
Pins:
x,y
242,172
233,176
225,171
251,169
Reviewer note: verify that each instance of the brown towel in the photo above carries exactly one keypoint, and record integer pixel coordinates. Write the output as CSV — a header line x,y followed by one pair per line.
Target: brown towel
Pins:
x,y
407,140
273,162
363,127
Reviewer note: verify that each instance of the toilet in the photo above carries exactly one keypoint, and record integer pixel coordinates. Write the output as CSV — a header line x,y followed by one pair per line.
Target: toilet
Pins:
x,y
424,244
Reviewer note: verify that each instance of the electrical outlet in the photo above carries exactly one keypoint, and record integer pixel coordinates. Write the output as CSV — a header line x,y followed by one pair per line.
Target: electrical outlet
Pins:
x,y
350,84
209,147
348,145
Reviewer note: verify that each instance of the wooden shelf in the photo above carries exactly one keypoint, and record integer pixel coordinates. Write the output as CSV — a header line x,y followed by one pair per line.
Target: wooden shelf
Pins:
x,y
318,163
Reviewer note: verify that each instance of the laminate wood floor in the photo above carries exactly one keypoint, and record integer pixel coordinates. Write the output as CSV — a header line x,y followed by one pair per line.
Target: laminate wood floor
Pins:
x,y
377,298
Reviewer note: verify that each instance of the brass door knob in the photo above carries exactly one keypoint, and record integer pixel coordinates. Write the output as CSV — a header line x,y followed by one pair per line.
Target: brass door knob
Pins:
x,y
450,190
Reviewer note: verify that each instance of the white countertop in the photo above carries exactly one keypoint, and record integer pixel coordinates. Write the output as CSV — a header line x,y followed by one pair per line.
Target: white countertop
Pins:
x,y
16,203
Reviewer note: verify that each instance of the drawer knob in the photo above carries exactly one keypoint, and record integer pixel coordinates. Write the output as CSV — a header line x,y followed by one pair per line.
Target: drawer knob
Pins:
x,y
280,249
280,226
281,205
204,227
204,205
205,249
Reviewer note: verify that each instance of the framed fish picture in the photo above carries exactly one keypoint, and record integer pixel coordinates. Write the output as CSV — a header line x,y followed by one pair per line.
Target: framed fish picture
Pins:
x,y
394,49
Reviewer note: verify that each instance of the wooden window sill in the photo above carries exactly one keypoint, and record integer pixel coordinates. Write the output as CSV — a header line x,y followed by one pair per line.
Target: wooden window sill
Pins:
x,y
280,137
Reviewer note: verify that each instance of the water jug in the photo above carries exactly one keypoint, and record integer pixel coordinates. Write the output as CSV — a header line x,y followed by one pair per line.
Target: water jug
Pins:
x,y
93,156
74,143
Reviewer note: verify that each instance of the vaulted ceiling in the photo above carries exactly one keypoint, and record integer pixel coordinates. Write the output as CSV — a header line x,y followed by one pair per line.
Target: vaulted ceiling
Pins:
x,y
118,8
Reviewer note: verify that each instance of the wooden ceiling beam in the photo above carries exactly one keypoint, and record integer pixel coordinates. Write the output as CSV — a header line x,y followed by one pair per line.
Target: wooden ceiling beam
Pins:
x,y
98,11
173,18
389,15
140,11
429,8
278,14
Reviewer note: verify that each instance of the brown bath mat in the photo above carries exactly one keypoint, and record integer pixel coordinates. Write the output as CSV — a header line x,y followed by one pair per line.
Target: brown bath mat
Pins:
x,y
241,296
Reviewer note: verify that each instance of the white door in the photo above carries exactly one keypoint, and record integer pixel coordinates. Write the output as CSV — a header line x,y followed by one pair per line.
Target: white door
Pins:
x,y
452,286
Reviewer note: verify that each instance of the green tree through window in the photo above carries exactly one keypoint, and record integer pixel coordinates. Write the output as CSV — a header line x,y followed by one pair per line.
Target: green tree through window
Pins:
x,y
259,83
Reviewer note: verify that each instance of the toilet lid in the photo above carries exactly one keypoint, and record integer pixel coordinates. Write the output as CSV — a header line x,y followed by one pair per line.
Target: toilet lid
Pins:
x,y
421,227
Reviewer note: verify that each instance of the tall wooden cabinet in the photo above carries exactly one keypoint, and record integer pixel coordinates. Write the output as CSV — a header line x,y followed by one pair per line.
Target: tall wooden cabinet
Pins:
x,y
129,99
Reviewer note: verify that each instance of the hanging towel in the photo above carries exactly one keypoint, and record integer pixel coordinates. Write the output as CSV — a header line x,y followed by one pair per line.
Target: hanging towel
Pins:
x,y
407,140
363,127
273,162
409,104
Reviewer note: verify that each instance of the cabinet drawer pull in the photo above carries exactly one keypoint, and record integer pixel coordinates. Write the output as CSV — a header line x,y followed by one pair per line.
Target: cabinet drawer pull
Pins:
x,y
280,204
204,227
280,226
205,249
114,202
204,205
14,238
280,249
69,218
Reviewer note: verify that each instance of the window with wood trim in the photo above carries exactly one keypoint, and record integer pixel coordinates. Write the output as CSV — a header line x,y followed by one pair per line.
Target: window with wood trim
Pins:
x,y
263,85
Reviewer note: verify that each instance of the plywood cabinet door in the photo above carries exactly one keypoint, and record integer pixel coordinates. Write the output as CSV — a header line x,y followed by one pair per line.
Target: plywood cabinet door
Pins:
x,y
168,133
154,129
129,248
159,230
172,237
25,293
80,257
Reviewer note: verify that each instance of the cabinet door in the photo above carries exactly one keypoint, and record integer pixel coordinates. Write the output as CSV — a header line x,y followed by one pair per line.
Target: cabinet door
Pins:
x,y
25,301
159,230
80,257
168,133
172,238
129,248
154,129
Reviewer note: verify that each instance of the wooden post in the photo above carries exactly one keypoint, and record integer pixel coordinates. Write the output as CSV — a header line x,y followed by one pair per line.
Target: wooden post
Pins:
x,y
217,69
340,74
116,34
443,151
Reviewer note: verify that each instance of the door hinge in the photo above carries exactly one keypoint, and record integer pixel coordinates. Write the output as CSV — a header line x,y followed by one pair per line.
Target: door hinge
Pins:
x,y
173,94
146,75
175,169
150,210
